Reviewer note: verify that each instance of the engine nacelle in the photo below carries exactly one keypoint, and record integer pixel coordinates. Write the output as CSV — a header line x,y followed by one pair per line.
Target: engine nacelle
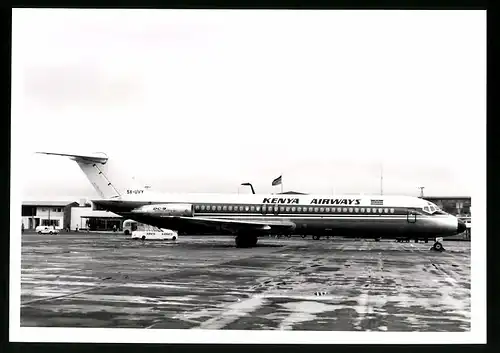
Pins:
x,y
167,209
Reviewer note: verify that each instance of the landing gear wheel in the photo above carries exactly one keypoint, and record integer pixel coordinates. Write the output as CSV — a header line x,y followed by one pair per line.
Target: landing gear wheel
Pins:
x,y
437,246
303,236
243,241
143,237
316,237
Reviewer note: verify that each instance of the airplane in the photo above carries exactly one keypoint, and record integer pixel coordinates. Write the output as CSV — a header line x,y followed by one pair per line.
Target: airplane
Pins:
x,y
251,216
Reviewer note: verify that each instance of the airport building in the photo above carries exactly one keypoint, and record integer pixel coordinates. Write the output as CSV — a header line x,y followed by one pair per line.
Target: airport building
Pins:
x,y
68,214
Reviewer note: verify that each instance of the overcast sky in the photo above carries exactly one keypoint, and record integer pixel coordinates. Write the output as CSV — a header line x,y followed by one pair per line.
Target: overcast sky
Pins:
x,y
200,101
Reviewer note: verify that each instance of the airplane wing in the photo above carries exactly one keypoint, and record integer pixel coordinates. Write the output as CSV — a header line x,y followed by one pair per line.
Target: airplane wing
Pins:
x,y
238,225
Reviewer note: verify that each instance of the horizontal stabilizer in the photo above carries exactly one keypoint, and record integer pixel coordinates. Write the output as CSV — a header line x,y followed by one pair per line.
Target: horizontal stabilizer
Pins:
x,y
98,157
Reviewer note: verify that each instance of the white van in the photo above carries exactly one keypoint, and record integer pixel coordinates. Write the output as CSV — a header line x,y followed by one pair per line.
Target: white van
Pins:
x,y
157,234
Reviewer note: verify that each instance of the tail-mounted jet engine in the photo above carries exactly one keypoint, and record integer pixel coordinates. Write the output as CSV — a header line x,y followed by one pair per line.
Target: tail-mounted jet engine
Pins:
x,y
176,210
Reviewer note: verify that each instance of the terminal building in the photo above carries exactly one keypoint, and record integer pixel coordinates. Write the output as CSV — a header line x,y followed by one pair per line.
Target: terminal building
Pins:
x,y
68,215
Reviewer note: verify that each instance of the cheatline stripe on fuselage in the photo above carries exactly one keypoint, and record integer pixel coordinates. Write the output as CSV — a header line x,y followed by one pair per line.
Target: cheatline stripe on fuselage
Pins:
x,y
316,216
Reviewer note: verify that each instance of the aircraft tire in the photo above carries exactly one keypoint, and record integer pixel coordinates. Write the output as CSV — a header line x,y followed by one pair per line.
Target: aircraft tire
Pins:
x,y
143,237
316,237
245,241
438,246
303,236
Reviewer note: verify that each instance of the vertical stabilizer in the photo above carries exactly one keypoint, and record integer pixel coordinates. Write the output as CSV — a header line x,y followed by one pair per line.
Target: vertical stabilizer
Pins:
x,y
96,168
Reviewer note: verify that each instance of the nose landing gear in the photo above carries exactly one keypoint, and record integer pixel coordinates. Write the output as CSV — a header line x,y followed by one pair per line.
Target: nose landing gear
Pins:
x,y
437,245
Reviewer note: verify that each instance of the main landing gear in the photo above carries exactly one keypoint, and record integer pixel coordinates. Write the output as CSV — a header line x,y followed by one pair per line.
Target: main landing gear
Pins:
x,y
245,241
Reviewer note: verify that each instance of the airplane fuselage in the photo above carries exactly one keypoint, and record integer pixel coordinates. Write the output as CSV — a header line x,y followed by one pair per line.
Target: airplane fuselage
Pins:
x,y
360,216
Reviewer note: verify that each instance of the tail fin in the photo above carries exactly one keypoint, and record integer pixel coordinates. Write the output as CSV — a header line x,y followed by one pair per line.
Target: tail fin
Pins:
x,y
96,168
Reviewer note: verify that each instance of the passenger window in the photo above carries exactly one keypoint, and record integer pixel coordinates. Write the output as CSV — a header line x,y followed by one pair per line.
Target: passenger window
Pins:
x,y
224,208
230,208
282,209
368,210
350,209
356,210
339,209
219,208
321,209
315,209
299,209
257,208
288,209
310,209
344,210
362,210
293,209
252,208
241,208
386,210
392,210
196,207
247,208
275,209
203,207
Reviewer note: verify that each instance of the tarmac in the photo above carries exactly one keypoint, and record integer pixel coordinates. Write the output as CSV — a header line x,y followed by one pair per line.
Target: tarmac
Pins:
x,y
204,282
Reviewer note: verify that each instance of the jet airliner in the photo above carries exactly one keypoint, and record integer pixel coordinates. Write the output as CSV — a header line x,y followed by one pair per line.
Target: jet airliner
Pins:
x,y
250,216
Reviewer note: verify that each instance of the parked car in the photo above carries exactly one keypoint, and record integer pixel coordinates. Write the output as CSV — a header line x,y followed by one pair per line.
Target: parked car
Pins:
x,y
47,230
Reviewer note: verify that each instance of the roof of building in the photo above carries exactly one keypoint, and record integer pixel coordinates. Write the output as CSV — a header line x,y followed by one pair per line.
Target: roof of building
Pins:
x,y
48,203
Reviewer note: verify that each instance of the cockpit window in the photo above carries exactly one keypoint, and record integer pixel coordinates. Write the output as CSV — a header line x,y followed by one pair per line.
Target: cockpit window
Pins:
x,y
432,209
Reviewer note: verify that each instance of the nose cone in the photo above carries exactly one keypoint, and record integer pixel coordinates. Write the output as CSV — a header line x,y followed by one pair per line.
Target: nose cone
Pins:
x,y
461,227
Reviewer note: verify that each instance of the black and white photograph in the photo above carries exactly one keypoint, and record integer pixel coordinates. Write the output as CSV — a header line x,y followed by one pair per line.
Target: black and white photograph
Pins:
x,y
248,176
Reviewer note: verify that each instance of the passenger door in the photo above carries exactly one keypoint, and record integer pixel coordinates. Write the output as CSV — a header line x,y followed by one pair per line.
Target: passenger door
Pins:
x,y
411,215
